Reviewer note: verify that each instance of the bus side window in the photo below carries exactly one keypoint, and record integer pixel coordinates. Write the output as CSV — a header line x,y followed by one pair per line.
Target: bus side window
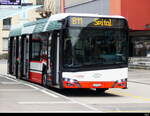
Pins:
x,y
49,45
36,49
68,51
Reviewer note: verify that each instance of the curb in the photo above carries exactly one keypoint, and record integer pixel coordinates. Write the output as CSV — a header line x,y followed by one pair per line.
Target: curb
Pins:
x,y
139,67
9,76
139,82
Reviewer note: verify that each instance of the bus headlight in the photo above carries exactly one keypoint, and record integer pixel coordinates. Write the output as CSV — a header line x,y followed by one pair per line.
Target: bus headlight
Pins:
x,y
72,82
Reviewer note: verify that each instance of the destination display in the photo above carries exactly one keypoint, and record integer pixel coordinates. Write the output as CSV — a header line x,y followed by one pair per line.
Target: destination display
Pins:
x,y
10,2
97,22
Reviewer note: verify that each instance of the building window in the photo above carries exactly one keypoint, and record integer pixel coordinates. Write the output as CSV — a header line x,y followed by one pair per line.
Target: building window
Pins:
x,y
141,46
7,24
5,44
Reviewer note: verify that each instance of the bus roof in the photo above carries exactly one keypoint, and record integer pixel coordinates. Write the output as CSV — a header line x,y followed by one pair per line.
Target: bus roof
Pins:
x,y
64,15
51,23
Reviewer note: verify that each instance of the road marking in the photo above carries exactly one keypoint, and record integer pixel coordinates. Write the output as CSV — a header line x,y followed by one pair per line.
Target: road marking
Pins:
x,y
9,83
29,85
12,79
54,94
44,103
142,111
41,90
130,95
82,104
48,93
146,99
16,90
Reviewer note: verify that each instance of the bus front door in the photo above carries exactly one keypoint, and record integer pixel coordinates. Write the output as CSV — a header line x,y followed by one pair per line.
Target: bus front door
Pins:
x,y
10,54
55,59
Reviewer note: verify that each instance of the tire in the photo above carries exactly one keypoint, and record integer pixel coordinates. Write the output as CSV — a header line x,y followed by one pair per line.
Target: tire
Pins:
x,y
44,80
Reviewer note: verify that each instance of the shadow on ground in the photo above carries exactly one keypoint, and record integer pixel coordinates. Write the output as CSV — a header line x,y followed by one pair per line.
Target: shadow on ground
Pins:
x,y
83,93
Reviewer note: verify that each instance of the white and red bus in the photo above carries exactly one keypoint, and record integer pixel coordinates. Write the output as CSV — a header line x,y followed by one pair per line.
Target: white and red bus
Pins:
x,y
71,51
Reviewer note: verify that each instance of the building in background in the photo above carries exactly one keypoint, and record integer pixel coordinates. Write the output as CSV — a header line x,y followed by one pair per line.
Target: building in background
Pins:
x,y
87,6
12,16
16,14
136,12
48,8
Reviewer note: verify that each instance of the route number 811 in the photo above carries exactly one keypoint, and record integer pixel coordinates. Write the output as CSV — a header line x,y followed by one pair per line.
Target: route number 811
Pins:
x,y
77,21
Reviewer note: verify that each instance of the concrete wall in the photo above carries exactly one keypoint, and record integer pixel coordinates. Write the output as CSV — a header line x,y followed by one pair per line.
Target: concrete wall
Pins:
x,y
95,6
136,11
69,3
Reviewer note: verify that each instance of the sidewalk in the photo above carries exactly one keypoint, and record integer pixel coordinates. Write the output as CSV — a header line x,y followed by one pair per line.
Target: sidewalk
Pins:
x,y
139,76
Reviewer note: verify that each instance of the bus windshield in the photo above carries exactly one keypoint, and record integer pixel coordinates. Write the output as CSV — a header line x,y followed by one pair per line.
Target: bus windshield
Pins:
x,y
87,47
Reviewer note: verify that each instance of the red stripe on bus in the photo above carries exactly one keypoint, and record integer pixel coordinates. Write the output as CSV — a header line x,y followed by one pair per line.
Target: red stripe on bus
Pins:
x,y
36,61
95,84
36,77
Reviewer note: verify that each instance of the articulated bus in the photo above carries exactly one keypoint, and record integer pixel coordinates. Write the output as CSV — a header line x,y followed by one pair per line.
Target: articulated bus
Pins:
x,y
71,50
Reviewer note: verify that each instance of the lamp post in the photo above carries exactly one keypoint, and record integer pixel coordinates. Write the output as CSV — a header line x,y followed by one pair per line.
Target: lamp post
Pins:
x,y
62,6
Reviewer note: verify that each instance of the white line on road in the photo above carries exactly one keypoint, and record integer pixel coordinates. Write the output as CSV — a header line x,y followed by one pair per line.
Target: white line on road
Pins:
x,y
48,93
41,90
41,103
16,90
56,95
9,83
9,78
74,101
29,85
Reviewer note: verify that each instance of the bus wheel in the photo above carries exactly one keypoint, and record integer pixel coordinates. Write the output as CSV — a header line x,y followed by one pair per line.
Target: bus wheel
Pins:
x,y
101,90
44,80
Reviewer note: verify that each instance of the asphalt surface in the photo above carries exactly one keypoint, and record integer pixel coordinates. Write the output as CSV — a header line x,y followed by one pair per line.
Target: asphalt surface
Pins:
x,y
21,96
139,76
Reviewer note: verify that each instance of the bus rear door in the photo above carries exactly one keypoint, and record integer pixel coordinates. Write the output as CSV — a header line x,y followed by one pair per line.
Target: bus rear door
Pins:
x,y
36,61
15,56
26,58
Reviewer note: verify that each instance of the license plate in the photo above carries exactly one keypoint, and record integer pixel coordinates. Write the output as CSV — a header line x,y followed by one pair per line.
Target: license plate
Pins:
x,y
97,85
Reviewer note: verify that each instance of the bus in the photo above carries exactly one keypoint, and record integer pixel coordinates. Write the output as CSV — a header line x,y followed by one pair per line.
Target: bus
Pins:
x,y
71,50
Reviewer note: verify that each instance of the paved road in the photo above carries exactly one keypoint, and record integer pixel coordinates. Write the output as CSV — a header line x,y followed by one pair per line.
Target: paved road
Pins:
x,y
22,96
